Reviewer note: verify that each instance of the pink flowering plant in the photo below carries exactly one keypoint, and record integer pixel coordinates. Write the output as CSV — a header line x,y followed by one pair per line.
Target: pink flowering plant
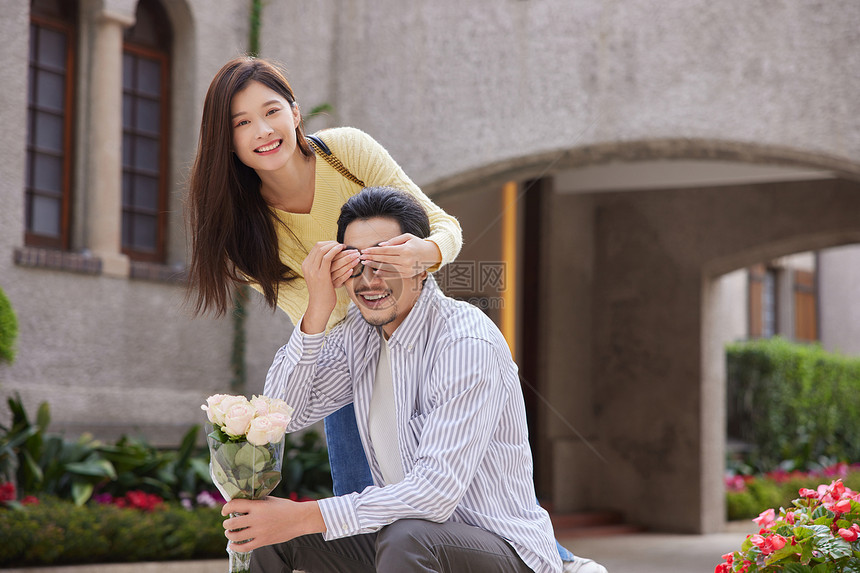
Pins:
x,y
819,534
246,450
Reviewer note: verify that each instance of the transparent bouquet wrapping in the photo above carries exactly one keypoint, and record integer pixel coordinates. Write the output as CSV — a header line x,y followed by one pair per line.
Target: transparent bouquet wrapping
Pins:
x,y
241,470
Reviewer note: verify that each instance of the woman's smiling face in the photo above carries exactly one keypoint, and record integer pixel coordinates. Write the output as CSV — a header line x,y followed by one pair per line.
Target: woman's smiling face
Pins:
x,y
264,127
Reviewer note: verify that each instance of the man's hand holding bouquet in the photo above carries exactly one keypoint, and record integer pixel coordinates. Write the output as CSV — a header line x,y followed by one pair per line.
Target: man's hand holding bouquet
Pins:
x,y
246,446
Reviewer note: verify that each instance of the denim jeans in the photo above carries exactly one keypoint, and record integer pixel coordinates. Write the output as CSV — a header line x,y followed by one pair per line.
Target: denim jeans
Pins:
x,y
349,468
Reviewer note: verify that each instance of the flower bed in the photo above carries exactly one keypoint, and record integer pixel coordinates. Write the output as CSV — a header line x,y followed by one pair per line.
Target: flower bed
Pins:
x,y
136,527
748,496
81,501
818,533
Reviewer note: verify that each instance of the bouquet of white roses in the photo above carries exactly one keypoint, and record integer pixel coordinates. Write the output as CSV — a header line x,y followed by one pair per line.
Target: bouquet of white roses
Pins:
x,y
246,447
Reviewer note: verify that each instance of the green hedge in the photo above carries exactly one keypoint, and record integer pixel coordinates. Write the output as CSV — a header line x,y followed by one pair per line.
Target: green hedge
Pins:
x,y
793,402
60,532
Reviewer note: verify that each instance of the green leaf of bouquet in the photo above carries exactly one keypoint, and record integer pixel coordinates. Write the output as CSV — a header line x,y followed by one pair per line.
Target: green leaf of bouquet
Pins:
x,y
232,490
252,457
796,568
218,435
852,566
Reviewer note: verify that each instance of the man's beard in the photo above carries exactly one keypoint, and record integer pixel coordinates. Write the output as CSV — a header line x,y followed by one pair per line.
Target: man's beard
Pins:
x,y
380,320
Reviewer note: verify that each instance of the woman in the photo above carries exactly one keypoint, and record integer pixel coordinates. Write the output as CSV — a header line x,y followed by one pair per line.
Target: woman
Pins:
x,y
259,199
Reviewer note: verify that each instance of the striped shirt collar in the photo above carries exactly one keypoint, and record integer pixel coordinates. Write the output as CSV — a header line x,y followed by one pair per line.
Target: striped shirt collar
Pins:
x,y
416,322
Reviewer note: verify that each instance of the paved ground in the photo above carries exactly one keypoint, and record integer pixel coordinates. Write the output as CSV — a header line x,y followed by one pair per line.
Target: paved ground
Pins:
x,y
660,552
637,553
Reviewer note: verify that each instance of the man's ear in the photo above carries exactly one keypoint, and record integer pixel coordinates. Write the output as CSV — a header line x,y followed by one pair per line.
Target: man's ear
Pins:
x,y
422,277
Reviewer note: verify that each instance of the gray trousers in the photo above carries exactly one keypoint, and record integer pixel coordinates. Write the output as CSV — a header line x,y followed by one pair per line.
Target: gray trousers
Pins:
x,y
405,546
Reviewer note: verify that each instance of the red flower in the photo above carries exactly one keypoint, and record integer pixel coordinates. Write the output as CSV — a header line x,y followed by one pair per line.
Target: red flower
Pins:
x,y
7,492
726,567
849,535
808,493
136,499
766,518
30,500
777,541
842,506
768,544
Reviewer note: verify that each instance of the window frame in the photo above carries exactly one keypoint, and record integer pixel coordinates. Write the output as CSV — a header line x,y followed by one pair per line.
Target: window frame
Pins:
x,y
69,28
163,158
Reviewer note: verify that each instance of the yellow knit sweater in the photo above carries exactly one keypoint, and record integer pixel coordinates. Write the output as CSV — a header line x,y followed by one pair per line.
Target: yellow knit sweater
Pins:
x,y
370,162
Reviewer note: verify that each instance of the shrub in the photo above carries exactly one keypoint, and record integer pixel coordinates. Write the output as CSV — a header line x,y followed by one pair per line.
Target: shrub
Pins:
x,y
56,531
8,330
793,402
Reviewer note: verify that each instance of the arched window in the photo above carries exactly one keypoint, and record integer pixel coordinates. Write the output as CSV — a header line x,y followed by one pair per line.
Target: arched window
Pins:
x,y
145,75
50,122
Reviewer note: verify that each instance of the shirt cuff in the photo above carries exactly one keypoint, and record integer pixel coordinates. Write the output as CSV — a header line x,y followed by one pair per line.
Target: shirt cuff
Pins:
x,y
305,347
339,516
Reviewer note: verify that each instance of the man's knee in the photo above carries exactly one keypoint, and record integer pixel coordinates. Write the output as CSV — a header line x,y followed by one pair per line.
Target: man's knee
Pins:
x,y
402,533
272,558
405,542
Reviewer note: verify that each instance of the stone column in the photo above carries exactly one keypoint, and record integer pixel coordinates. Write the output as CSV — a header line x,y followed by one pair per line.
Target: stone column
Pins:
x,y
104,152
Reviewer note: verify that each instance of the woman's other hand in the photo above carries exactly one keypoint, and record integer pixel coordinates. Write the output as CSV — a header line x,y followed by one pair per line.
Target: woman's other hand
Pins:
x,y
404,255
342,266
322,298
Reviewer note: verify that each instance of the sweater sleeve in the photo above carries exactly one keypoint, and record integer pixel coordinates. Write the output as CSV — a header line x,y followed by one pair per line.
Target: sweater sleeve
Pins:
x,y
371,163
293,300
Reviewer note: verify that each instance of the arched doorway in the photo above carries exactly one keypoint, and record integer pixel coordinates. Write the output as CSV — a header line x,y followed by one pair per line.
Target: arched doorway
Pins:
x,y
628,365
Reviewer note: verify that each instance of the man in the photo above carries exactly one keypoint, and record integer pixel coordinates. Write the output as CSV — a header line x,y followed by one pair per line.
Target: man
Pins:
x,y
440,414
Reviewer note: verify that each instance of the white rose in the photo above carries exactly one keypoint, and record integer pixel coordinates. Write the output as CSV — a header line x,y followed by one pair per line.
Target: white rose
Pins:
x,y
258,433
209,408
238,418
279,427
261,404
276,405
218,409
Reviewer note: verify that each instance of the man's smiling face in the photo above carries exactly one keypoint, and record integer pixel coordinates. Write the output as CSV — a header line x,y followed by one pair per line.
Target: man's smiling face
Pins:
x,y
382,302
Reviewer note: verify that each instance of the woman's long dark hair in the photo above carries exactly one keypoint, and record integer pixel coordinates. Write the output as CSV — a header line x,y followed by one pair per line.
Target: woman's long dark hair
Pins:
x,y
233,236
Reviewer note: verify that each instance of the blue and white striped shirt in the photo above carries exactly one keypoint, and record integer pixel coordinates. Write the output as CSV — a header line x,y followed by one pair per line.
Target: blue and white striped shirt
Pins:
x,y
460,415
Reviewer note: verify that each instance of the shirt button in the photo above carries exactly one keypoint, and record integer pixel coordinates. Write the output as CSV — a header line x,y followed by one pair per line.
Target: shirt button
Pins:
x,y
410,348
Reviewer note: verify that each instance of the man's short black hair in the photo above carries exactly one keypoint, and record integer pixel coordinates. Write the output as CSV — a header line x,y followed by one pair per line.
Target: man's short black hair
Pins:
x,y
385,202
